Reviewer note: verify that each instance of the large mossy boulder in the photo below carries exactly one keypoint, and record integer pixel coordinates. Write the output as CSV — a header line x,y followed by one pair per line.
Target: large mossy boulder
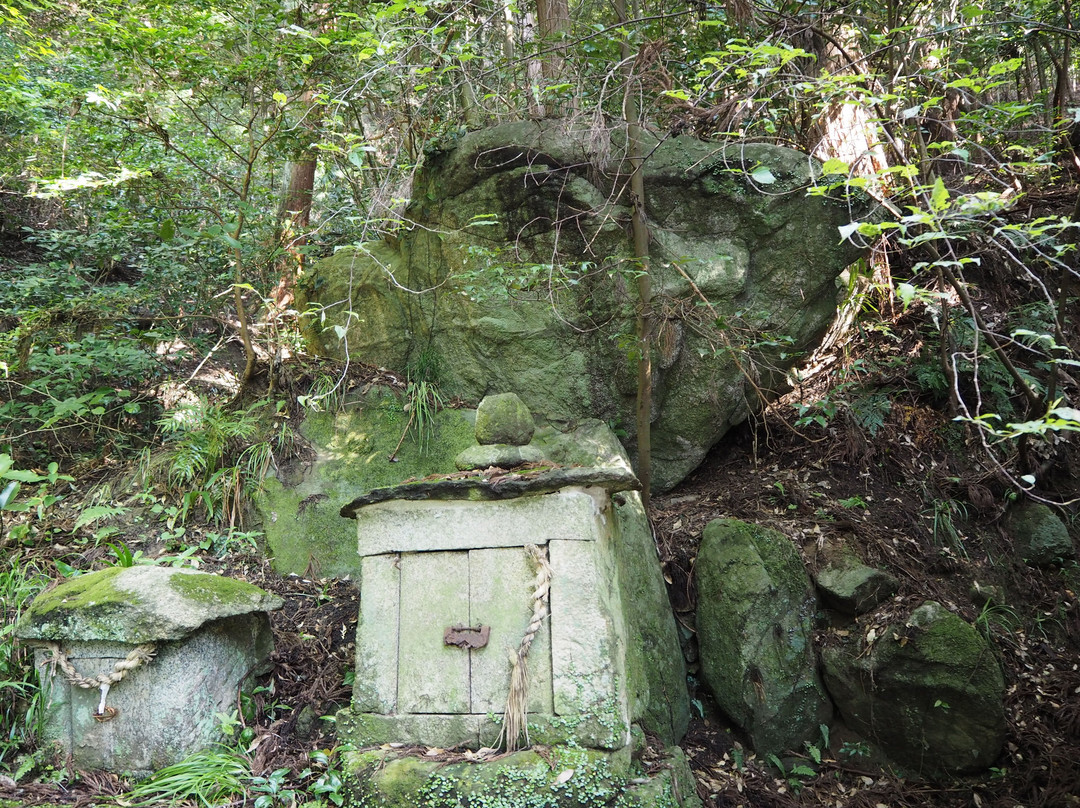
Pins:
x,y
350,453
929,692
1039,536
755,615
521,235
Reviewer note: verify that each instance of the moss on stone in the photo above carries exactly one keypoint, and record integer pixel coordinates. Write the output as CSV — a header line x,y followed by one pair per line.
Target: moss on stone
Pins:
x,y
928,692
300,508
755,613
503,418
214,589
655,669
567,777
82,592
138,604
1041,538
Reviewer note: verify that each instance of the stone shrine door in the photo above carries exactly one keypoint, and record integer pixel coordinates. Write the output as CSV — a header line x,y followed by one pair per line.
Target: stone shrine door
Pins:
x,y
442,590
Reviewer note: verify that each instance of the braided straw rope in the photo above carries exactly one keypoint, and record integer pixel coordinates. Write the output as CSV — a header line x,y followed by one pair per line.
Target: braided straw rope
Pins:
x,y
103,681
515,719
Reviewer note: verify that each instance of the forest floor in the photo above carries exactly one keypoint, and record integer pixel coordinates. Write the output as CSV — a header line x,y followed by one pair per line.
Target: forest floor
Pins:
x,y
907,488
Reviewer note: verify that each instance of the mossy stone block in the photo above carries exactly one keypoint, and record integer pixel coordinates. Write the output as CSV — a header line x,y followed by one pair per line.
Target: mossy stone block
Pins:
x,y
564,777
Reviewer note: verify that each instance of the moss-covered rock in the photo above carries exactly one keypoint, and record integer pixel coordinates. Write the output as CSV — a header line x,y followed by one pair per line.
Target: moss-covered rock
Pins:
x,y
493,209
565,777
755,629
929,692
655,668
504,418
300,506
1040,537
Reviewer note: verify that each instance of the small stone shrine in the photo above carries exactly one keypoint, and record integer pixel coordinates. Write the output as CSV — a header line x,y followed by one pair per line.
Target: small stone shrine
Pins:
x,y
138,662
511,571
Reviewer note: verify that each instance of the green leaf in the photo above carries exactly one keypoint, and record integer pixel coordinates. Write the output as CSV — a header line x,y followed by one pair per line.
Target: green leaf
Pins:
x,y
939,197
92,514
22,475
848,230
762,175
906,293
1066,413
834,166
167,230
9,493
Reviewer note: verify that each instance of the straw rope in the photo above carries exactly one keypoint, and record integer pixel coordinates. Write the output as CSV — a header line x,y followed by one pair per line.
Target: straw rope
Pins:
x,y
103,681
515,718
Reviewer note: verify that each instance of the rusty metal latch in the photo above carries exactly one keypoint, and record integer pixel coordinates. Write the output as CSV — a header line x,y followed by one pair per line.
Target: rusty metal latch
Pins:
x,y
467,637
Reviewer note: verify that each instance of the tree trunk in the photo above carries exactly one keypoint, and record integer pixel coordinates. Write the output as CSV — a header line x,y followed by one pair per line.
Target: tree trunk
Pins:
x,y
294,215
640,231
553,26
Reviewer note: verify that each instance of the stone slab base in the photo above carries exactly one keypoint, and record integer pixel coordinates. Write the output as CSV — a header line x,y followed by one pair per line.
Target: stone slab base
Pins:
x,y
563,777
477,731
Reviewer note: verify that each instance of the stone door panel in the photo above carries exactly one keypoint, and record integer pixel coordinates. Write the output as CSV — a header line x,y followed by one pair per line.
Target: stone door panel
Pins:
x,y
410,669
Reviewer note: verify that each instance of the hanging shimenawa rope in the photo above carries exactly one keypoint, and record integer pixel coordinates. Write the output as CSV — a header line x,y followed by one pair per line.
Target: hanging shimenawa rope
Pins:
x,y
515,718
103,681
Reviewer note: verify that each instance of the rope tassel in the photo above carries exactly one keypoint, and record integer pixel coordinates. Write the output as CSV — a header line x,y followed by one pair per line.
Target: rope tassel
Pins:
x,y
516,715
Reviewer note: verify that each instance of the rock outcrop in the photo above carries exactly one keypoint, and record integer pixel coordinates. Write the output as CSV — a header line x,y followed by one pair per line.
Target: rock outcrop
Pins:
x,y
519,239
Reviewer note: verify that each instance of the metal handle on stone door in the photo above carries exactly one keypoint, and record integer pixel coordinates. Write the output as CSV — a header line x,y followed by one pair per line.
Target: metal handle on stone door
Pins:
x,y
467,637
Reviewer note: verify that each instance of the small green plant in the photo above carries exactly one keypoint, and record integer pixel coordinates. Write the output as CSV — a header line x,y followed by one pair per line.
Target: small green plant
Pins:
x,y
853,502
21,707
855,749
996,618
945,534
272,790
234,541
209,778
794,775
328,783
423,401
11,482
212,462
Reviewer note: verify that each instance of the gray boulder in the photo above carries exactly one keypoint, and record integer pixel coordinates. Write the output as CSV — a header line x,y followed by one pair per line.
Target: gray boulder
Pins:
x,y
755,629
853,588
520,234
929,692
1040,537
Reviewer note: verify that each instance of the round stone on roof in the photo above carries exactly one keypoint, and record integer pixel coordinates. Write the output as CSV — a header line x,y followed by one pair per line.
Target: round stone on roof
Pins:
x,y
504,418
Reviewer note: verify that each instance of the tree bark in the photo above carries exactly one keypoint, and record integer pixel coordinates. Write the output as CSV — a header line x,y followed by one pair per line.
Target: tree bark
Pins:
x,y
640,231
